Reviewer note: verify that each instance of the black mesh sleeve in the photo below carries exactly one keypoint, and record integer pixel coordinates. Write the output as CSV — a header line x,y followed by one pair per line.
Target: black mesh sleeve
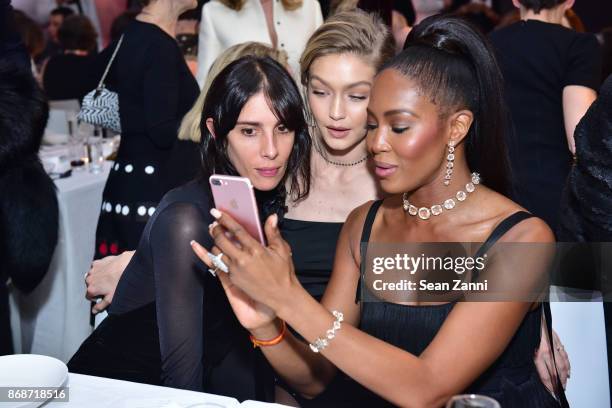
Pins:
x,y
179,292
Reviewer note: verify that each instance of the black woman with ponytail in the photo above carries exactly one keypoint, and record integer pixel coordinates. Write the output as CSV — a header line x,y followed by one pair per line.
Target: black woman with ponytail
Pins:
x,y
434,120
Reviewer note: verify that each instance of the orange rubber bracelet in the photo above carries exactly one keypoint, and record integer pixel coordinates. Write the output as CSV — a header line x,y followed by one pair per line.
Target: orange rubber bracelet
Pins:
x,y
271,342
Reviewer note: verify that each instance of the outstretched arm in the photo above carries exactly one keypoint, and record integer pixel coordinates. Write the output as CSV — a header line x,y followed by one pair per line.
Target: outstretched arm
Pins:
x,y
470,340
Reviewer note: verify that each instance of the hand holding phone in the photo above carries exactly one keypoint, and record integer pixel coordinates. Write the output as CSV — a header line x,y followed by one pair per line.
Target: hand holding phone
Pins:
x,y
235,196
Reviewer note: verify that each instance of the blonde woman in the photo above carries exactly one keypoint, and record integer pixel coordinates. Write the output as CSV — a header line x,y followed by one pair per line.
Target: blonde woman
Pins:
x,y
337,71
284,25
183,165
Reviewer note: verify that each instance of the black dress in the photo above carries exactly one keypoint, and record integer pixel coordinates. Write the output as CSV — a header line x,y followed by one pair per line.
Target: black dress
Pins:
x,y
313,245
69,76
587,199
538,60
512,379
170,322
155,89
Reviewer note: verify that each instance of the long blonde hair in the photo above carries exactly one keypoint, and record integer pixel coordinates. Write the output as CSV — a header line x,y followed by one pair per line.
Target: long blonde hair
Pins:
x,y
237,4
190,125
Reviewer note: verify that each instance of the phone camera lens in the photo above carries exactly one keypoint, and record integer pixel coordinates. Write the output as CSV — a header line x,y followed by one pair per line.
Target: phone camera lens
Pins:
x,y
216,182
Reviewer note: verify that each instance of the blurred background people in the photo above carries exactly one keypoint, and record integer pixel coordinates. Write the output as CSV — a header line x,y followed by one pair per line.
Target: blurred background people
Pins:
x,y
32,36
106,12
426,8
38,10
57,17
284,24
393,16
69,75
155,90
480,15
551,76
11,44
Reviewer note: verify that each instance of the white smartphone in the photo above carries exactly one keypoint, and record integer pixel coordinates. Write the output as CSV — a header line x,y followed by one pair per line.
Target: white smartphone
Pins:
x,y
235,196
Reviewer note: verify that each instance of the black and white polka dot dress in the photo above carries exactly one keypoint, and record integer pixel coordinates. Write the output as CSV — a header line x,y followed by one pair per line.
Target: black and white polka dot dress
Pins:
x,y
155,90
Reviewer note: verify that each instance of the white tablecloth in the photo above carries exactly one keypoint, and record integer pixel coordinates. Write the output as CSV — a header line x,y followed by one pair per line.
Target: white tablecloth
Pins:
x,y
581,328
98,392
54,319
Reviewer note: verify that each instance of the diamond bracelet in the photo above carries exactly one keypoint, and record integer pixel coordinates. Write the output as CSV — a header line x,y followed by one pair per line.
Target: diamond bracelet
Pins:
x,y
319,344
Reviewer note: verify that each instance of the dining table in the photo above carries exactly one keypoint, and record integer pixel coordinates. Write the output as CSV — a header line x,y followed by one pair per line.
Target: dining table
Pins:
x,y
54,319
98,392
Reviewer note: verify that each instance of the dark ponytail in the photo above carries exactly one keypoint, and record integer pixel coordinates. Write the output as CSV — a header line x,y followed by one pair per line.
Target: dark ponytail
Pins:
x,y
453,64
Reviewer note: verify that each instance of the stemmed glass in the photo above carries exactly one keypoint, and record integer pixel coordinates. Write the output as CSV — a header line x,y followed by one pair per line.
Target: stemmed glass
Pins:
x,y
78,142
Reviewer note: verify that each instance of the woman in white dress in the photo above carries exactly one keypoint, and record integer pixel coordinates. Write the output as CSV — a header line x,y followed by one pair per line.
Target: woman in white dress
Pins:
x,y
283,24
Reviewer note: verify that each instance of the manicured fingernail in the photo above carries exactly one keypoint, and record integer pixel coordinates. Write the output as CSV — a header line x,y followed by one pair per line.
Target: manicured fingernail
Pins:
x,y
215,213
213,225
192,242
94,312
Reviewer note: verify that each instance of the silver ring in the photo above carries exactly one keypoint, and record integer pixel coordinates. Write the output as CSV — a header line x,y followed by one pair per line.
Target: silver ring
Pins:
x,y
218,262
213,272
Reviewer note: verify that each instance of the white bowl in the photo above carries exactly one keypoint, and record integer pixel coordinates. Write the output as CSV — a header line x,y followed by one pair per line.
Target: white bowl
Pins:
x,y
31,370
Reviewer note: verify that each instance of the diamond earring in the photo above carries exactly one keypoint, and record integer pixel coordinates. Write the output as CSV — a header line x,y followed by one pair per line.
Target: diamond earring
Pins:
x,y
450,158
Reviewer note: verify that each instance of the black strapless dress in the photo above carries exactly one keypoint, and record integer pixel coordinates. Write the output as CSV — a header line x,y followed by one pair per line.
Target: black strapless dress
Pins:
x,y
314,246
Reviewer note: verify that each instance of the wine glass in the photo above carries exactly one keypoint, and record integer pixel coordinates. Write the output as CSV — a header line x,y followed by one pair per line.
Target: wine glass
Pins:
x,y
472,401
96,154
78,144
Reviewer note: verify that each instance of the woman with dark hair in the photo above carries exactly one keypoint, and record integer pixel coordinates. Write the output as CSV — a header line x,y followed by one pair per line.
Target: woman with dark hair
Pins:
x,y
433,120
69,75
170,323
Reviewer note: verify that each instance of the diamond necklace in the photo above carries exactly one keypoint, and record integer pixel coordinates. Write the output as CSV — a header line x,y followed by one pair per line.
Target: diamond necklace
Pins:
x,y
425,213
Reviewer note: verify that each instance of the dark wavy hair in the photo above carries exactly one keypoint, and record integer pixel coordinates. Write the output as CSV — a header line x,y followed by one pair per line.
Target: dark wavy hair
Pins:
x,y
227,95
77,33
452,63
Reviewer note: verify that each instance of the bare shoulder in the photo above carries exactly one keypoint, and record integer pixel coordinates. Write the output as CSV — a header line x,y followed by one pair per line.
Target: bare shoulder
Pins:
x,y
532,229
356,218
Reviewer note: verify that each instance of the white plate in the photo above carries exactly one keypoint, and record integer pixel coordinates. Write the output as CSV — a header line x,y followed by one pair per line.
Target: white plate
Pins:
x,y
30,370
